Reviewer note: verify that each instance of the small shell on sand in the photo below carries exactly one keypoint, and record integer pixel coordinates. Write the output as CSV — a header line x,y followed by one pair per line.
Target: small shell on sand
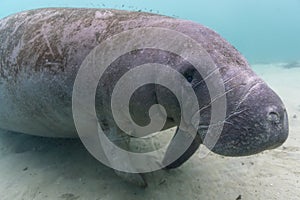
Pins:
x,y
295,116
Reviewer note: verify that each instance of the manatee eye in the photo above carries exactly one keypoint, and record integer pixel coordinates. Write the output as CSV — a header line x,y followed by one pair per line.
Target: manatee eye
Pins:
x,y
189,74
189,78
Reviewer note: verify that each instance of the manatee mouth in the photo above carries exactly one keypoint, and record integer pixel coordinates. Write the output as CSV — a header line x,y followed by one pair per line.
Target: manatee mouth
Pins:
x,y
254,130
238,139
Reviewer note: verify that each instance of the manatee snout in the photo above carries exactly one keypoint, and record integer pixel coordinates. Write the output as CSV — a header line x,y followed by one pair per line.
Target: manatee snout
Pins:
x,y
258,122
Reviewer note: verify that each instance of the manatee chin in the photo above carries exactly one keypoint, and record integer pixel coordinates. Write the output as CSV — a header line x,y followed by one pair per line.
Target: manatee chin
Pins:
x,y
258,123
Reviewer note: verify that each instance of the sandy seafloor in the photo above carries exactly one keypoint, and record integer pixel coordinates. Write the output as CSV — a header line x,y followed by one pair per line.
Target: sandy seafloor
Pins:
x,y
41,168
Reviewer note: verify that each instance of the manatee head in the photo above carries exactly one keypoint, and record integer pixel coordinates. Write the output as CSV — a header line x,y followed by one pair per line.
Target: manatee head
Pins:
x,y
256,118
256,121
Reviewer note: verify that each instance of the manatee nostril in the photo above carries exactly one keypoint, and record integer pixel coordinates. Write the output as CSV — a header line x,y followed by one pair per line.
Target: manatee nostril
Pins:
x,y
274,117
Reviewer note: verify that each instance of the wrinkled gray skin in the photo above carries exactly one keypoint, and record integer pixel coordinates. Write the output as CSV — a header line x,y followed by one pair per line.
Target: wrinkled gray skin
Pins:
x,y
41,51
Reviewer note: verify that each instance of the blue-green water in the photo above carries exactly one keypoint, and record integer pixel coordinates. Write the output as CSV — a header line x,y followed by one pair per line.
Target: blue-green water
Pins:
x,y
263,30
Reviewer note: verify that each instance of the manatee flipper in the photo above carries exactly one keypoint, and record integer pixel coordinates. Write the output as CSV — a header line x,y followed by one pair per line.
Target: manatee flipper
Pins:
x,y
180,137
122,141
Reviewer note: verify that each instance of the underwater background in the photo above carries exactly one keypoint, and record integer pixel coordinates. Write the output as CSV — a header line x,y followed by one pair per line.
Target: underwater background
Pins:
x,y
263,31
266,32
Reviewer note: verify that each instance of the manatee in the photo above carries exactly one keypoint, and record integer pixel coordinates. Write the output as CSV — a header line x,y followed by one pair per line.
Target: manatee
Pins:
x,y
292,65
41,52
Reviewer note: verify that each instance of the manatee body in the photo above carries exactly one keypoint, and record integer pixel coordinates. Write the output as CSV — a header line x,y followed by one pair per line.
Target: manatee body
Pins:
x,y
42,50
